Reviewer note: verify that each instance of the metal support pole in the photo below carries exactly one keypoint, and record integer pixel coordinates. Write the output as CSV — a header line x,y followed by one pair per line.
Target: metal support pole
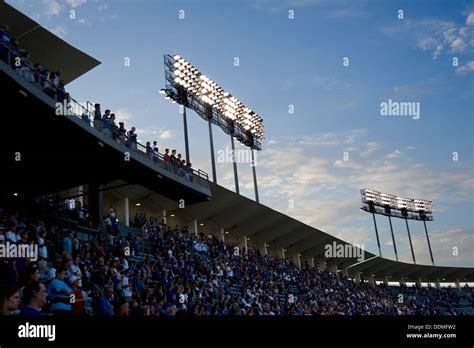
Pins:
x,y
411,244
254,177
393,238
186,141
429,245
213,160
234,163
377,234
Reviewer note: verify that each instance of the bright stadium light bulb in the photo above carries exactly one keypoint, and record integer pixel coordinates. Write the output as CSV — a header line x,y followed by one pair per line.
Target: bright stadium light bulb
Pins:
x,y
176,57
207,100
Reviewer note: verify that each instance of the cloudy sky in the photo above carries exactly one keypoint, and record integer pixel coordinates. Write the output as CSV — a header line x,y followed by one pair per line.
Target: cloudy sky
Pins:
x,y
325,135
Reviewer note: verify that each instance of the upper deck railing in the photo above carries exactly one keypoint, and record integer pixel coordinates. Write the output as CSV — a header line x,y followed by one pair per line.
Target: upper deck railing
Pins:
x,y
76,109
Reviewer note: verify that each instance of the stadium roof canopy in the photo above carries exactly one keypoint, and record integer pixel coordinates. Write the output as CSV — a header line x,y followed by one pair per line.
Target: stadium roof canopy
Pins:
x,y
44,47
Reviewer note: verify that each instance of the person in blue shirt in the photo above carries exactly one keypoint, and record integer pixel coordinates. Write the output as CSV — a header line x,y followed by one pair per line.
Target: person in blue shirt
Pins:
x,y
67,243
60,294
85,117
4,42
106,119
34,298
105,303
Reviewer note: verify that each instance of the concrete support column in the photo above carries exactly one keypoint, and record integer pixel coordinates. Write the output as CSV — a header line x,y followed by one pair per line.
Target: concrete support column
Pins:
x,y
126,210
80,190
418,282
265,248
283,252
96,203
322,265
385,280
344,271
458,284
371,280
164,216
312,262
402,281
357,277
245,245
196,227
332,268
299,260
222,235
437,284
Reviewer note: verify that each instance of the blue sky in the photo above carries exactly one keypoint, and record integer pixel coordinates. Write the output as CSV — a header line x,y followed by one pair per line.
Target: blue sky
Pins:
x,y
302,170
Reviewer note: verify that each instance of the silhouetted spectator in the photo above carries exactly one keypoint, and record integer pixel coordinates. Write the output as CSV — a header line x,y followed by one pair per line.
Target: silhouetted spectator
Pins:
x,y
98,124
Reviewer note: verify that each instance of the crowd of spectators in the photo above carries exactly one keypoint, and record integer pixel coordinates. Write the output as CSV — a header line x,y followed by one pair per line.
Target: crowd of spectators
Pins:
x,y
52,84
183,274
106,124
20,61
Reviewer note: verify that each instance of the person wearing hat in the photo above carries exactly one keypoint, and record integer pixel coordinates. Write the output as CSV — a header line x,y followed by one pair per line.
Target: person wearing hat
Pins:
x,y
78,305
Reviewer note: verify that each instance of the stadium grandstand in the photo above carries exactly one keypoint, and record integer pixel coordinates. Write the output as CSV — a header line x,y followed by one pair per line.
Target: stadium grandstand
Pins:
x,y
133,231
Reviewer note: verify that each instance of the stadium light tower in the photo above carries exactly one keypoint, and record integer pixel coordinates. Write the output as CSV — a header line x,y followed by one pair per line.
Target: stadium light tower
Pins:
x,y
189,87
376,202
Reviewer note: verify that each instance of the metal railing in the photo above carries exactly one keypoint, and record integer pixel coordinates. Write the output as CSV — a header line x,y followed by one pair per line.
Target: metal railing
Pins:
x,y
198,176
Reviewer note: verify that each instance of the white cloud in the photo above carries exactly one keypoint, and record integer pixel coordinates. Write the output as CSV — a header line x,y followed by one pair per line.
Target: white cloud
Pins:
x,y
51,8
445,245
346,164
470,19
466,68
436,36
85,22
330,139
102,7
331,8
370,149
394,154
167,134
75,3
123,115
